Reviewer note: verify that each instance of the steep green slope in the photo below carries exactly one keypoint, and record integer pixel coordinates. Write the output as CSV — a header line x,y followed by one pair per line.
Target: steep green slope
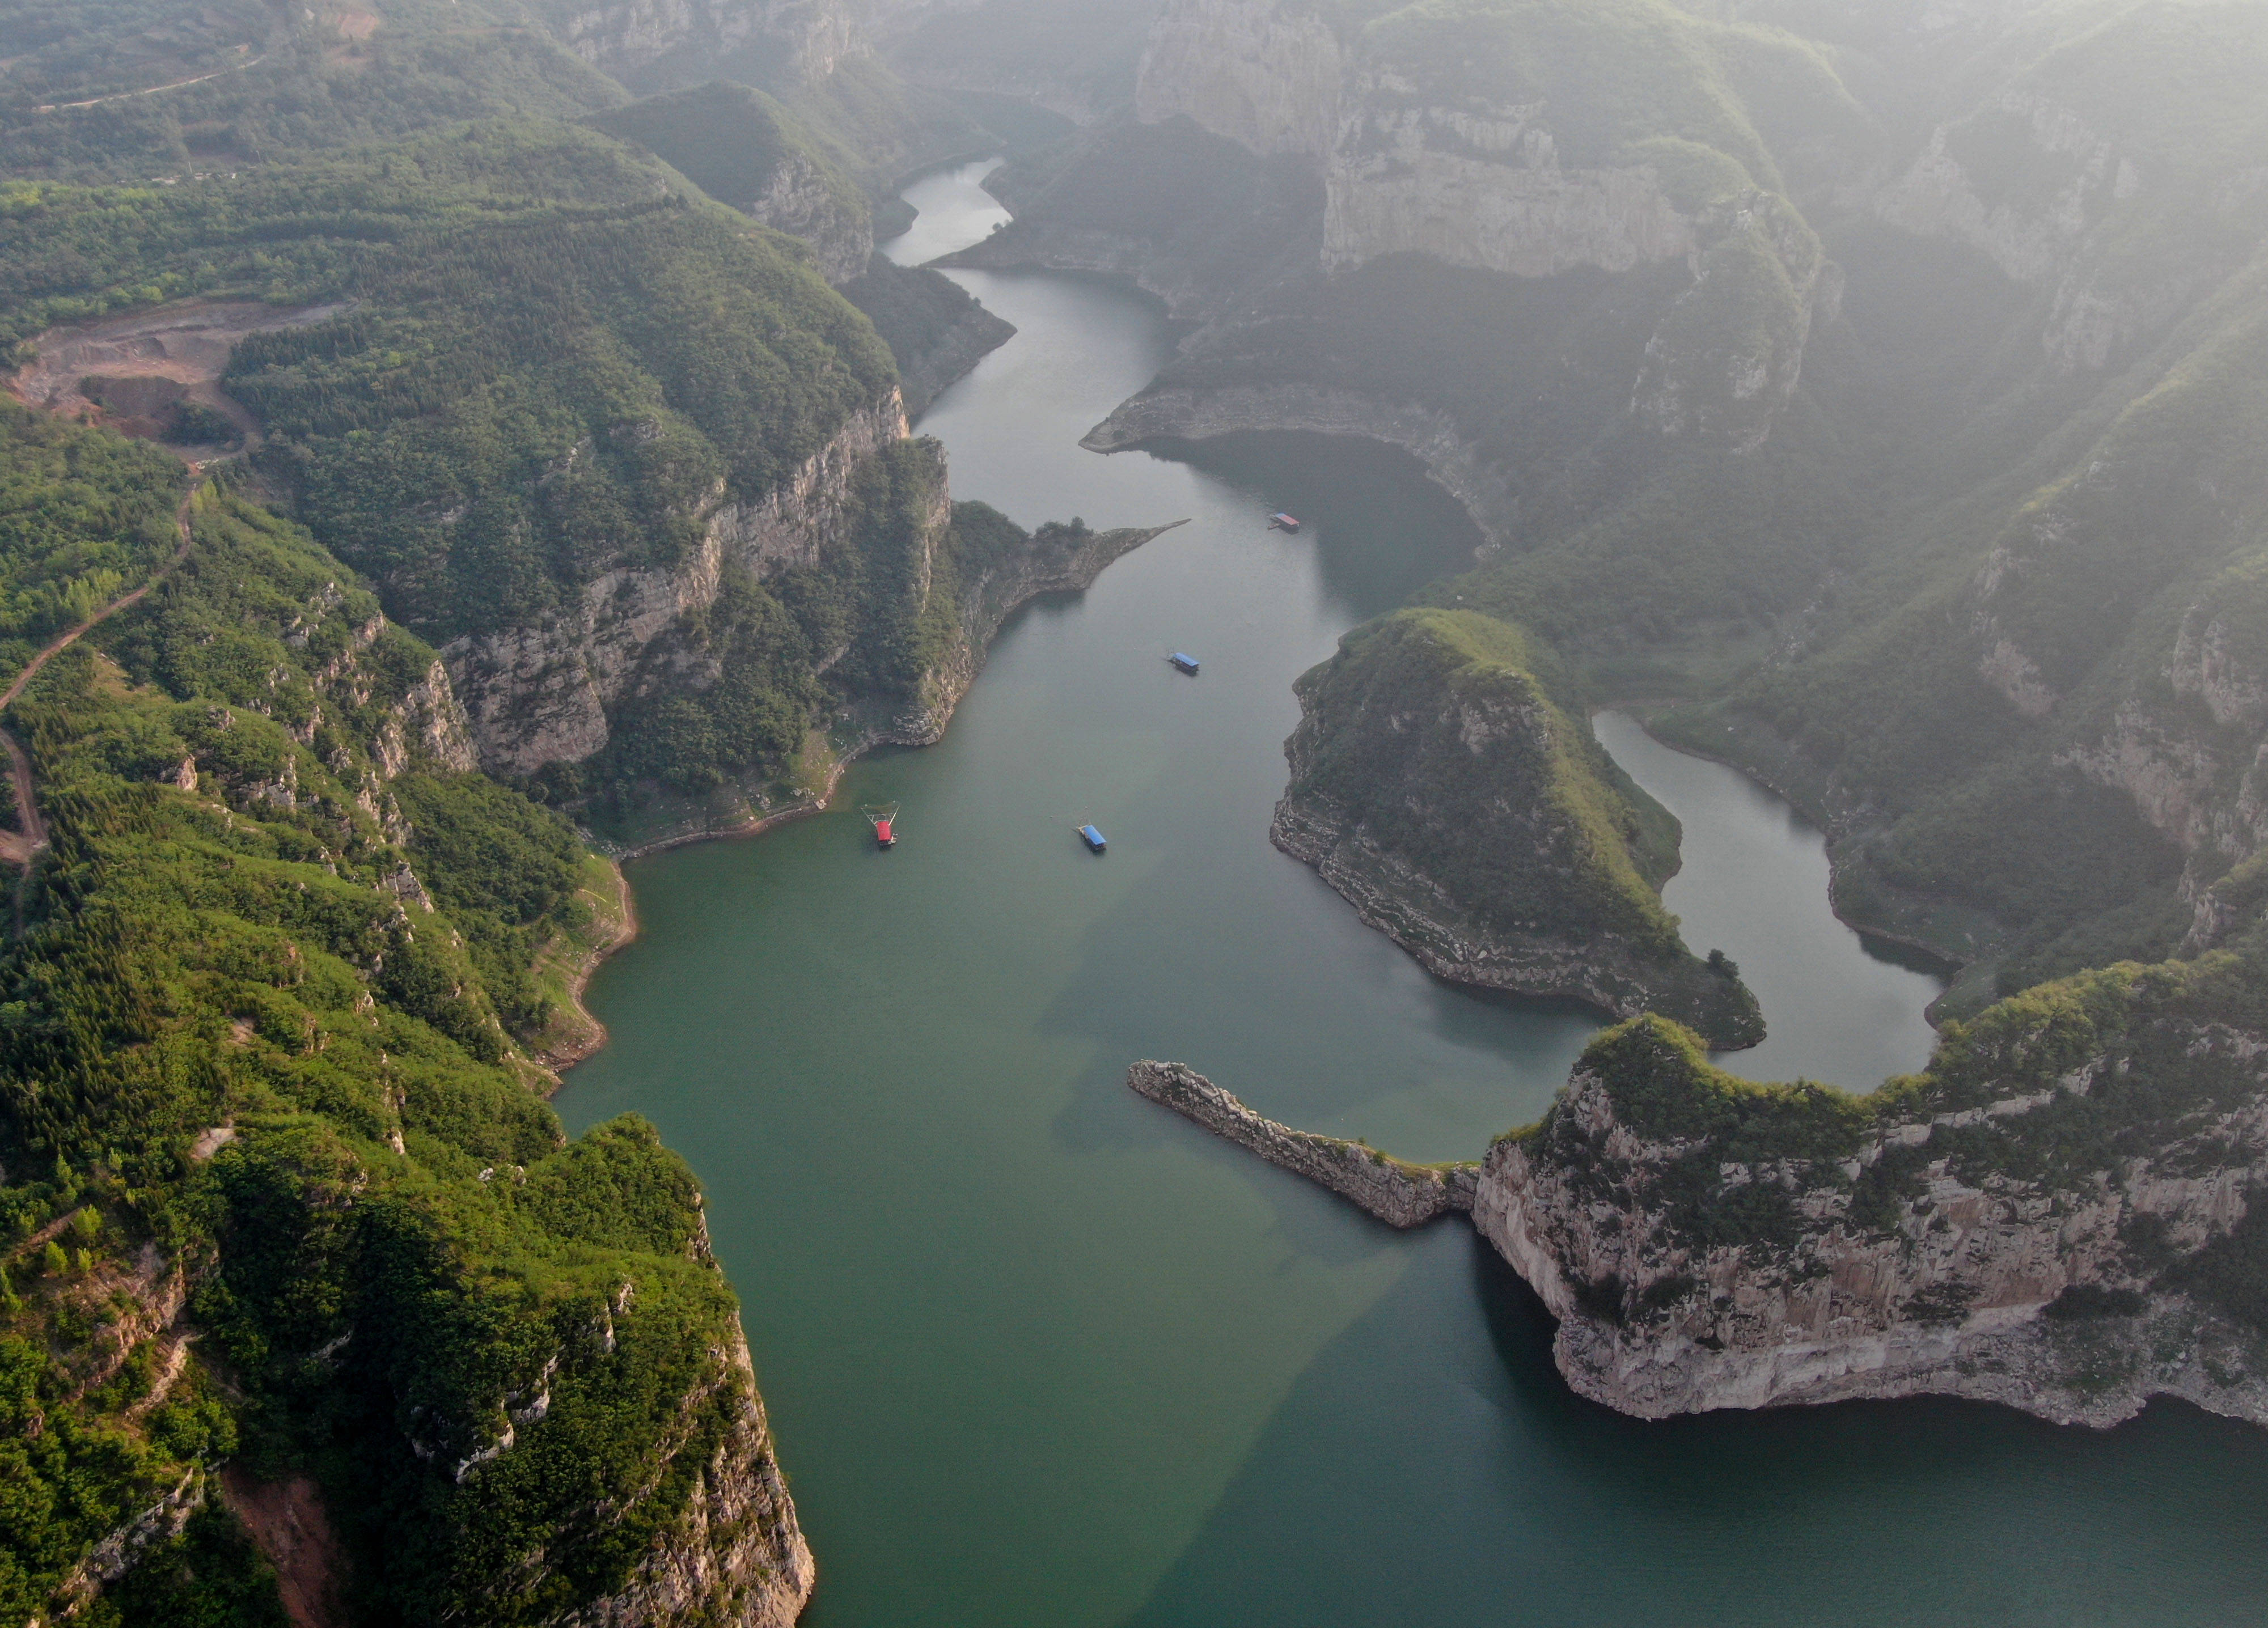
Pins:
x,y
284,81
2036,1219
553,364
1435,782
742,146
278,904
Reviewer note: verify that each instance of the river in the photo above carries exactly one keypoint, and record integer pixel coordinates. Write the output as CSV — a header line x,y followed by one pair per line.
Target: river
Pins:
x,y
1039,1352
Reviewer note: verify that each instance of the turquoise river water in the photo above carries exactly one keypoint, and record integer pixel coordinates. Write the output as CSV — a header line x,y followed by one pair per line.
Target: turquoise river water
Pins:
x,y
1039,1352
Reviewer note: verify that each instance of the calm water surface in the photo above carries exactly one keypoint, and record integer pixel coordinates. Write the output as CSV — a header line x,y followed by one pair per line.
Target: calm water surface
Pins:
x,y
1039,1352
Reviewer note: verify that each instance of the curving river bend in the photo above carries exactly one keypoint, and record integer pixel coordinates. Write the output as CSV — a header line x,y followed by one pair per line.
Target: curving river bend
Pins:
x,y
1039,1352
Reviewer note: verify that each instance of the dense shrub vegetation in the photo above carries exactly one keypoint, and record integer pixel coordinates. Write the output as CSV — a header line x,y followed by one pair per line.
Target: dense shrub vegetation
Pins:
x,y
289,941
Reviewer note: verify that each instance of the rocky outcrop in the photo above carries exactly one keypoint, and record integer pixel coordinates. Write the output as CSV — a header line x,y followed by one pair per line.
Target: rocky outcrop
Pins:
x,y
1486,188
2070,1228
1398,1193
540,694
1440,931
1057,560
116,1553
1171,412
628,38
2050,195
799,200
1266,75
736,1552
1938,1250
935,331
1439,790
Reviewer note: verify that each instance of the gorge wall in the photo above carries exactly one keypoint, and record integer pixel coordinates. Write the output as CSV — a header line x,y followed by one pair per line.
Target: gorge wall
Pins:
x,y
540,694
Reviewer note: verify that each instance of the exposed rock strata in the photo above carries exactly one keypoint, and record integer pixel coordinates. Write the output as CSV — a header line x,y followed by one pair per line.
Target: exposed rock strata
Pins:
x,y
736,1553
1487,189
1946,1291
116,1553
539,694
798,201
935,331
1265,76
1436,785
1398,1193
1706,1243
1058,560
809,39
1393,896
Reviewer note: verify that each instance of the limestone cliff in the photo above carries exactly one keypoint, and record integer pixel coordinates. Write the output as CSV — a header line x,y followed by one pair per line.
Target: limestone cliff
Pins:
x,y
2066,1227
1435,784
735,1552
935,331
1184,213
993,585
1173,411
743,148
540,693
631,40
1424,146
1264,75
2062,1214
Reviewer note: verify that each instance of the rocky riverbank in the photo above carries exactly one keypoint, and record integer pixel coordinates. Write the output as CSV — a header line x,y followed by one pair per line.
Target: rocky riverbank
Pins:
x,y
1436,785
2057,1216
1052,559
1398,1193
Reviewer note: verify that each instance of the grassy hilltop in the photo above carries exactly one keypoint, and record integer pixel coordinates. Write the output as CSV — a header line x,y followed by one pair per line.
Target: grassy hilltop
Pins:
x,y
1433,769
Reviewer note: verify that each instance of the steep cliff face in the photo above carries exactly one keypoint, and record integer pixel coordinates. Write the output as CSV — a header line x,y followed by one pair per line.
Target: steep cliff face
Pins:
x,y
1436,785
2062,1214
743,148
540,694
1305,145
735,1552
936,331
2108,166
630,40
798,200
2067,1228
1179,412
1486,189
1184,213
1266,75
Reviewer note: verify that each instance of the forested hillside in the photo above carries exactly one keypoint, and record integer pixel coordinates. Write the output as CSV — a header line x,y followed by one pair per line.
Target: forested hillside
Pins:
x,y
258,1054
1438,784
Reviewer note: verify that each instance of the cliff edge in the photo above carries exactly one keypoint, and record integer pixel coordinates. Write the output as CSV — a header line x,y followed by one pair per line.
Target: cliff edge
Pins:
x,y
2060,1214
1437,786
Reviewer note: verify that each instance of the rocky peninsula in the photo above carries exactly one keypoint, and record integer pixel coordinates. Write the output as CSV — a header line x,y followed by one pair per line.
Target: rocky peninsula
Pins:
x,y
2058,1214
1437,786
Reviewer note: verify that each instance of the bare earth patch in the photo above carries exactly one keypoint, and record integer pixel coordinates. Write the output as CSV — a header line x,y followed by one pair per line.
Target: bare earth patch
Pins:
x,y
132,371
287,1521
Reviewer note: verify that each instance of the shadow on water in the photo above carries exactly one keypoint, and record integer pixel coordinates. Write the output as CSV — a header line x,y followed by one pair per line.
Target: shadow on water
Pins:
x,y
1370,490
1431,1467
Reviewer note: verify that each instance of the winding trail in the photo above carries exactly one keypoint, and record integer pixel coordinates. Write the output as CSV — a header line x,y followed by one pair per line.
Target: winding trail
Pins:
x,y
18,846
152,90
